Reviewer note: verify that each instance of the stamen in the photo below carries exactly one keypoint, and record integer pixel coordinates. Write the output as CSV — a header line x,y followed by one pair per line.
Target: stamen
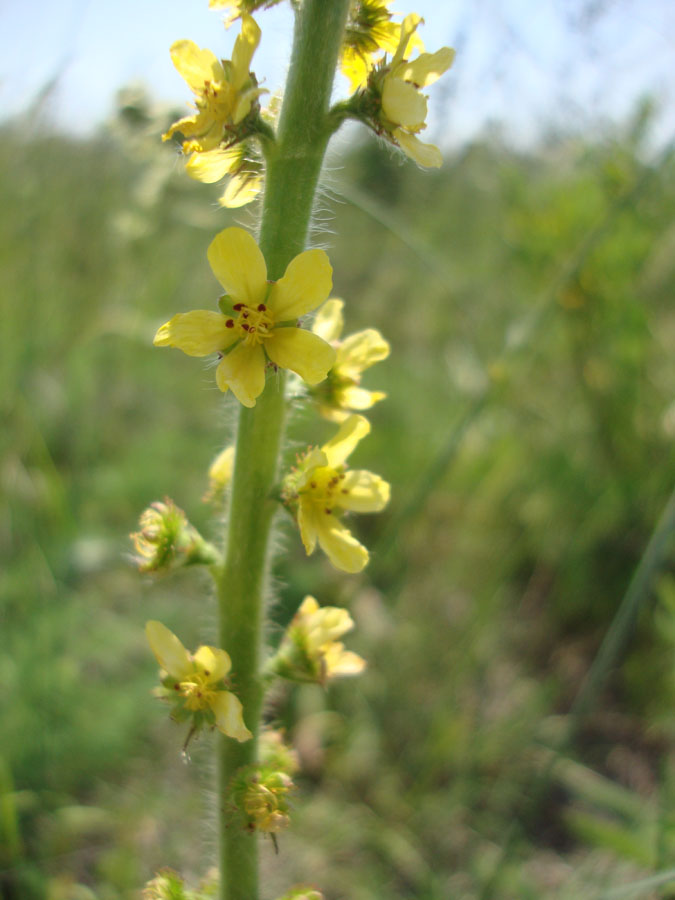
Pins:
x,y
229,323
238,306
261,307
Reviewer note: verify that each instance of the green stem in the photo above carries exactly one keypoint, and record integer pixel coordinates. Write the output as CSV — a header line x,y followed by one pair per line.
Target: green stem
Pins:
x,y
293,167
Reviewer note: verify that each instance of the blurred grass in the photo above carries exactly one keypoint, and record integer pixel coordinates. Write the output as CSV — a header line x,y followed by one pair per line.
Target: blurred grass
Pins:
x,y
528,435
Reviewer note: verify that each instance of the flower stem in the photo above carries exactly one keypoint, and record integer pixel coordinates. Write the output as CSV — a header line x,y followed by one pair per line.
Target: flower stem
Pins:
x,y
293,167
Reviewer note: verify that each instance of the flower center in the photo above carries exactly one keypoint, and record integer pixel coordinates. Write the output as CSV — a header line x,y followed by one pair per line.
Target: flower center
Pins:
x,y
253,324
197,691
323,487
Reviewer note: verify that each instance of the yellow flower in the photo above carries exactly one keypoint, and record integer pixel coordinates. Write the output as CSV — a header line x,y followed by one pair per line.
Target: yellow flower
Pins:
x,y
404,108
194,682
369,33
258,323
309,650
322,487
225,92
341,391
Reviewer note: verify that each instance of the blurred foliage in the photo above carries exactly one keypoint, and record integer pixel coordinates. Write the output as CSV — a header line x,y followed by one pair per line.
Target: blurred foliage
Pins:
x,y
528,436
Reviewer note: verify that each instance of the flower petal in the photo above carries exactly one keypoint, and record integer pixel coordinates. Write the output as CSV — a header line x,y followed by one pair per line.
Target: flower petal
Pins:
x,y
341,662
352,397
169,651
340,546
367,492
349,434
306,283
212,165
428,67
243,50
302,352
197,333
229,716
307,524
408,28
328,322
241,189
403,104
426,155
239,265
213,662
243,371
196,65
360,351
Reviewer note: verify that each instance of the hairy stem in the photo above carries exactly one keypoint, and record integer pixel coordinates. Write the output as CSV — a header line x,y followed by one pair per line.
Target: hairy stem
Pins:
x,y
293,167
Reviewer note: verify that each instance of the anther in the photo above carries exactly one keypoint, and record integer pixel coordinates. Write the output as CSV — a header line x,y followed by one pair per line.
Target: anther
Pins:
x,y
312,484
261,307
245,326
238,306
345,491
229,323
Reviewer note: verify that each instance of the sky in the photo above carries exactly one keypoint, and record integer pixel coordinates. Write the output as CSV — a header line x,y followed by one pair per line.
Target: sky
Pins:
x,y
523,65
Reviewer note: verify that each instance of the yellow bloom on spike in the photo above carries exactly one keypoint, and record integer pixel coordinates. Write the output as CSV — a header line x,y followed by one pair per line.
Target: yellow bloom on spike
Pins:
x,y
195,683
310,650
341,391
323,487
225,92
259,322
403,108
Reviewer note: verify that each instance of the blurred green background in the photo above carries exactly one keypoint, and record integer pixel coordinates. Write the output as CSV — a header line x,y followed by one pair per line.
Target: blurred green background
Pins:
x,y
528,437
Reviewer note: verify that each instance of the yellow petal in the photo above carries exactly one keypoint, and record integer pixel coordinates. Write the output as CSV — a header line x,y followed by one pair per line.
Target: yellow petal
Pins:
x,y
408,28
187,126
302,352
352,397
328,322
169,651
306,283
239,265
428,67
308,607
213,662
243,371
403,104
244,48
196,65
349,434
245,102
211,166
229,716
241,189
220,470
355,66
307,514
367,492
340,546
426,155
360,351
340,662
326,625
197,333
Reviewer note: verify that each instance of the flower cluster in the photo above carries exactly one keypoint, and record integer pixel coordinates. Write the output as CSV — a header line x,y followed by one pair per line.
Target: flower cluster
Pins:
x,y
257,329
